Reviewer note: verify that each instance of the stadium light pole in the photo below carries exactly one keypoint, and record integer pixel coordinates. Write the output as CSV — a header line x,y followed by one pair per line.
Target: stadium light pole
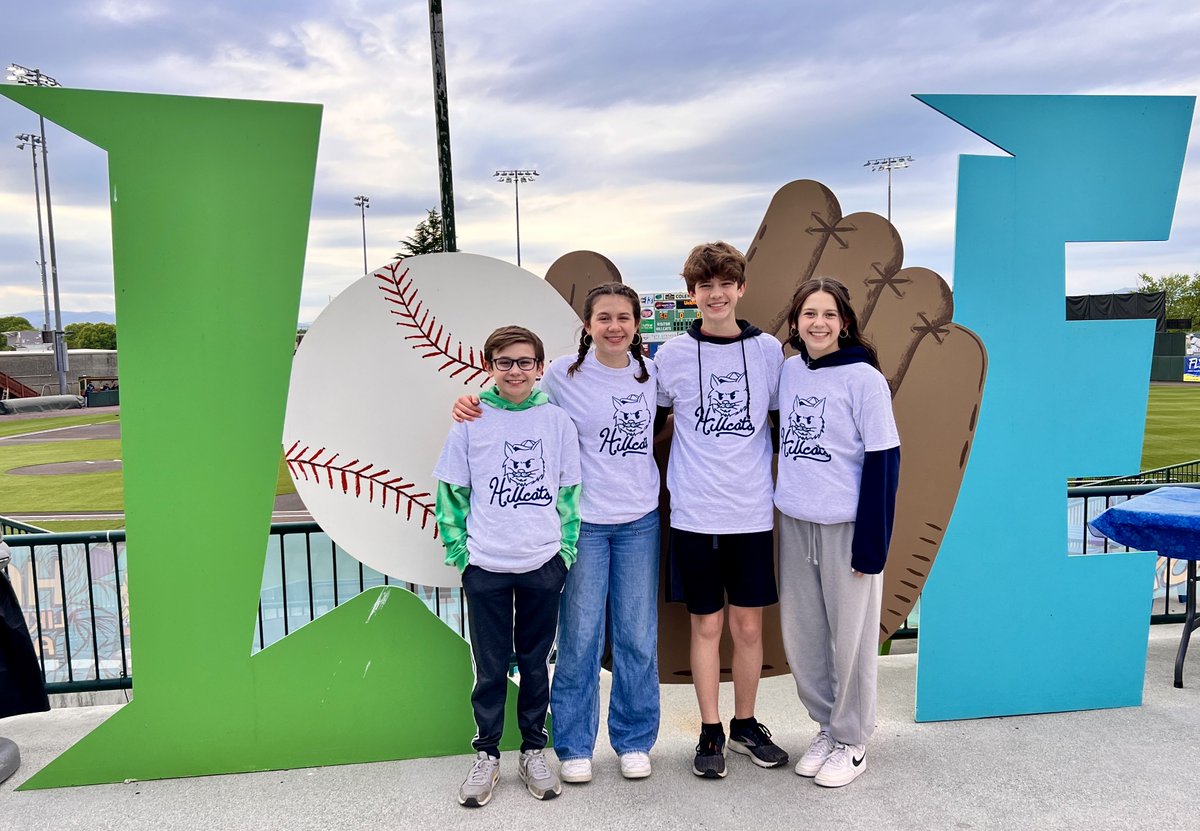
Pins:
x,y
362,203
36,78
889,164
33,142
516,177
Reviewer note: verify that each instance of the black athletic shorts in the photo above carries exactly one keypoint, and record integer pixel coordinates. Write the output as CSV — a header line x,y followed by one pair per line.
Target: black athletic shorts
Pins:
x,y
713,566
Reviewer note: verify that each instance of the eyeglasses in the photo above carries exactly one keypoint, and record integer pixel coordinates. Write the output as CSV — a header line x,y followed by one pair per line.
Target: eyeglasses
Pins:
x,y
505,364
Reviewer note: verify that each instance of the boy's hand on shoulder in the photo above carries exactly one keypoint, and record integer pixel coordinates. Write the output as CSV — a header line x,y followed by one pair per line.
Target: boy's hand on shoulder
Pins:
x,y
466,408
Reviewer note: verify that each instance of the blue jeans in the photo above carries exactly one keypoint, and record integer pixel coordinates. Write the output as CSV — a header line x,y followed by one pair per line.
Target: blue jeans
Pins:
x,y
617,569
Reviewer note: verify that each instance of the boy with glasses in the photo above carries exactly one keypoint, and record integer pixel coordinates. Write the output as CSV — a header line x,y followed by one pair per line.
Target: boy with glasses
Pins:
x,y
508,514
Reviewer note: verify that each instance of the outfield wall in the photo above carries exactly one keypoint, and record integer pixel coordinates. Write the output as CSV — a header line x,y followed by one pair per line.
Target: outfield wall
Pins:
x,y
36,369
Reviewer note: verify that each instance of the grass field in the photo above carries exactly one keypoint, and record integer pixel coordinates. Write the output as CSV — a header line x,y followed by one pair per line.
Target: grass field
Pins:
x,y
1172,426
14,426
1172,436
67,493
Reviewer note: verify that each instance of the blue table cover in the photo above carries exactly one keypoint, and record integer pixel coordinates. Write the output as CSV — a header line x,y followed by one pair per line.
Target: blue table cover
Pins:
x,y
1166,520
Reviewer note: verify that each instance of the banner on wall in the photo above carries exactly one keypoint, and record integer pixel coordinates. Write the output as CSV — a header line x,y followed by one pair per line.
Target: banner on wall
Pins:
x,y
1191,369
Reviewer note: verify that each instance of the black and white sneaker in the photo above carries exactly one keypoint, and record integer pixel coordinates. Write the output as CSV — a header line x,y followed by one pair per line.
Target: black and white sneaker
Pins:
x,y
844,765
710,757
755,741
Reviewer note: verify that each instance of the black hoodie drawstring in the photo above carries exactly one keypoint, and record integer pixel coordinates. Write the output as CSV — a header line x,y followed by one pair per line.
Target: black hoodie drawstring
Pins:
x,y
700,377
747,331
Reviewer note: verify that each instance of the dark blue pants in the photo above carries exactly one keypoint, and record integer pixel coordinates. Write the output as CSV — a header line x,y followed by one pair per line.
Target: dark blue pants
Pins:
x,y
511,613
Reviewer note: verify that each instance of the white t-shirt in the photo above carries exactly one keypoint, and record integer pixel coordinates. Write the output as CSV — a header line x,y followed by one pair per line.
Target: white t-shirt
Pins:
x,y
829,418
514,461
614,416
720,469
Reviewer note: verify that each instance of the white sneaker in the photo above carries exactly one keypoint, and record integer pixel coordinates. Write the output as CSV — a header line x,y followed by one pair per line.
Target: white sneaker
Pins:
x,y
635,764
812,760
576,770
843,766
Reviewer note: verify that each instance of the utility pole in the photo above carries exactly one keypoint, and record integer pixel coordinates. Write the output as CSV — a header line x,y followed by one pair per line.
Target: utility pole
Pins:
x,y
441,110
889,164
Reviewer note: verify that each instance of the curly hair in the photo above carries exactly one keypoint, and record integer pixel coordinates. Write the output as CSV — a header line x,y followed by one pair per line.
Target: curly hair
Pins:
x,y
713,259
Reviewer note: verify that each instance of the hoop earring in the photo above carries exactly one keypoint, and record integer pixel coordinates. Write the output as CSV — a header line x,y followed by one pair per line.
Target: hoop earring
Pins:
x,y
637,339
844,335
587,339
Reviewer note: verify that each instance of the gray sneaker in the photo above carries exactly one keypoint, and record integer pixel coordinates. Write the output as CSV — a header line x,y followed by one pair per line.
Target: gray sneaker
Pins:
x,y
538,776
476,790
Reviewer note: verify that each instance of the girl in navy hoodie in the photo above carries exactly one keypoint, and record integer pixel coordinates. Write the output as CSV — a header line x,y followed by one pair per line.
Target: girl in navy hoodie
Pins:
x,y
839,459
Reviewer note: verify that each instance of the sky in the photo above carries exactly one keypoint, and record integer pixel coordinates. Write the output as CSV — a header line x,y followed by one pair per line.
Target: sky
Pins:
x,y
654,126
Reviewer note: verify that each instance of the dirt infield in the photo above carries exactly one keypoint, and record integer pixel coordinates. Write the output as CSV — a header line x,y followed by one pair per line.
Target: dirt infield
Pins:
x,y
109,430
59,468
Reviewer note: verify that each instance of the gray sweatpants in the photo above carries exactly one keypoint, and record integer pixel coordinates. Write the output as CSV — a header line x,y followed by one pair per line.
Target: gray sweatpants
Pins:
x,y
830,621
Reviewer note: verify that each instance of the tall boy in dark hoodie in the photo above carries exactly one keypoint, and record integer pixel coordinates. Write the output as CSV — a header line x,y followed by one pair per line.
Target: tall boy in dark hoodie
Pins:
x,y
722,379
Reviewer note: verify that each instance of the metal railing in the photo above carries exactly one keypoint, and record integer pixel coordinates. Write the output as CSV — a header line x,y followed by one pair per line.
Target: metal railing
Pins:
x,y
1180,474
72,587
11,526
307,574
1086,502
73,590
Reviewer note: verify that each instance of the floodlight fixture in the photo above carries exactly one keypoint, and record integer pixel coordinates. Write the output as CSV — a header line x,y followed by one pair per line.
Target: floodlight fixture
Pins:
x,y
889,163
362,203
36,78
516,177
31,141
29,77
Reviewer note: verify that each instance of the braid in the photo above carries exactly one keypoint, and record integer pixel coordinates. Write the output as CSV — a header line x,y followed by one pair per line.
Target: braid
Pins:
x,y
585,343
635,349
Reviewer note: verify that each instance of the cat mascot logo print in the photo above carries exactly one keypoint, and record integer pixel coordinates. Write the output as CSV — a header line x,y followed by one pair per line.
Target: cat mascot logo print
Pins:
x,y
805,425
728,410
628,435
523,468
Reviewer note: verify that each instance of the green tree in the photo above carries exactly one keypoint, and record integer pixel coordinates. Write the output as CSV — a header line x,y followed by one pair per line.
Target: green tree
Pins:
x,y
426,239
1182,290
90,335
12,323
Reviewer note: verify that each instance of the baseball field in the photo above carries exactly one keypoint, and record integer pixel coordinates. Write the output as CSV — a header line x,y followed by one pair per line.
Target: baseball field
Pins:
x,y
71,464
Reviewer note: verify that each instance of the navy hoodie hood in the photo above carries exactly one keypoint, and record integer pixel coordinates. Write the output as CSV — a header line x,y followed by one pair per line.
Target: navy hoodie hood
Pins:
x,y
846,355
748,330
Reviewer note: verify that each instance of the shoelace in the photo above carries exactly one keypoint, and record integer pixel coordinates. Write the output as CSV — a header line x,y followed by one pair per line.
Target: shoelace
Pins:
x,y
762,731
536,766
838,756
708,747
824,744
481,771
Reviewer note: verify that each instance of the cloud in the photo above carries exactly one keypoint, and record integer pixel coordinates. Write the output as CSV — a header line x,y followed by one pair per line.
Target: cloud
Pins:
x,y
655,126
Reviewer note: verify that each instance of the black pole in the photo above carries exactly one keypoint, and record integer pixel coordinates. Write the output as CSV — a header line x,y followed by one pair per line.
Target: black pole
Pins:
x,y
60,348
441,110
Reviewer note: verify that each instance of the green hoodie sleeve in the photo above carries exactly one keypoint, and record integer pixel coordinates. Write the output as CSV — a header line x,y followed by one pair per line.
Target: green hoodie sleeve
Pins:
x,y
568,515
453,505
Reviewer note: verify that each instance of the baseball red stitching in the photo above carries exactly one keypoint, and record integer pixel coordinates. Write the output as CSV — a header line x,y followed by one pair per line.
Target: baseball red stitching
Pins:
x,y
429,333
357,473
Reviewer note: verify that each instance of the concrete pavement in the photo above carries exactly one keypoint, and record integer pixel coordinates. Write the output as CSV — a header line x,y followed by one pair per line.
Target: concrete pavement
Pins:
x,y
1125,768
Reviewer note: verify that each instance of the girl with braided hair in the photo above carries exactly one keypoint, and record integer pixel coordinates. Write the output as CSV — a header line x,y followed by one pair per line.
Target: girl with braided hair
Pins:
x,y
609,391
